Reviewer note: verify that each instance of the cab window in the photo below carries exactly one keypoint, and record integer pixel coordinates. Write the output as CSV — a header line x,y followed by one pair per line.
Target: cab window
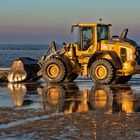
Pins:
x,y
102,32
86,37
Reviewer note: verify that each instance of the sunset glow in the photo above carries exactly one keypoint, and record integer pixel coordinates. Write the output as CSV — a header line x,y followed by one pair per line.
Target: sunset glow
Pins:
x,y
40,21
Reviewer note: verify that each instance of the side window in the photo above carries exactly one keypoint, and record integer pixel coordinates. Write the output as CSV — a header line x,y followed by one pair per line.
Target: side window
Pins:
x,y
87,37
102,33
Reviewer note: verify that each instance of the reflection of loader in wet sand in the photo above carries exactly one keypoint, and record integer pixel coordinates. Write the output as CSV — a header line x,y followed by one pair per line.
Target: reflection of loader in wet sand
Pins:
x,y
66,98
19,91
101,98
104,99
76,103
125,99
112,99
51,96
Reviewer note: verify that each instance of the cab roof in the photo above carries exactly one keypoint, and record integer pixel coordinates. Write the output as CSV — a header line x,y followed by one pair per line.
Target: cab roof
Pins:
x,y
92,24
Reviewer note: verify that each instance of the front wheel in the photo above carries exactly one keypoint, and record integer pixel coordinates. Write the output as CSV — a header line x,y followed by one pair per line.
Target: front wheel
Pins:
x,y
102,72
54,70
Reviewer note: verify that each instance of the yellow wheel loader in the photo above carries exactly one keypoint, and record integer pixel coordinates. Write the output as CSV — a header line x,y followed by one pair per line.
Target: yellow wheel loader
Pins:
x,y
96,54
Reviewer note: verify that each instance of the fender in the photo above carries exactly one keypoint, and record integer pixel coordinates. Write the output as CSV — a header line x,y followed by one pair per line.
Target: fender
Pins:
x,y
60,57
115,60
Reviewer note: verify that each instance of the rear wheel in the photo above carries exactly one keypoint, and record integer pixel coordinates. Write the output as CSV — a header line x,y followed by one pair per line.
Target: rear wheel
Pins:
x,y
102,72
54,70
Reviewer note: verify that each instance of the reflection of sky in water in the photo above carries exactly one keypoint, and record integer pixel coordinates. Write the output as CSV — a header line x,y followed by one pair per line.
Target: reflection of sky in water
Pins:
x,y
5,99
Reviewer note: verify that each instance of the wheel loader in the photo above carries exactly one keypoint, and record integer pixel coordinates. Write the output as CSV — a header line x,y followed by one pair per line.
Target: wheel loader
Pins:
x,y
106,59
69,98
96,54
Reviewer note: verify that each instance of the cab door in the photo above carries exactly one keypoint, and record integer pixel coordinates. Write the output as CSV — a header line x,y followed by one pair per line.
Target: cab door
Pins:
x,y
88,39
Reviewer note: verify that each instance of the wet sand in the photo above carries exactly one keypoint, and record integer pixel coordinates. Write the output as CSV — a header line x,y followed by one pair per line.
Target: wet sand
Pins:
x,y
79,110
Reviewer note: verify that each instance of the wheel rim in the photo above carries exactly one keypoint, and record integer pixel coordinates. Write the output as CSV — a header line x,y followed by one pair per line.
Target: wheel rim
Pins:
x,y
101,72
53,70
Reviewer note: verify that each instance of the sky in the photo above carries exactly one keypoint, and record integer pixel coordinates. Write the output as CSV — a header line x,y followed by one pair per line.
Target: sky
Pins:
x,y
41,21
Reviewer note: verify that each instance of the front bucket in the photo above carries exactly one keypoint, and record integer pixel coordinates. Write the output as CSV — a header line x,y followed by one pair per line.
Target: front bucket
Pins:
x,y
23,69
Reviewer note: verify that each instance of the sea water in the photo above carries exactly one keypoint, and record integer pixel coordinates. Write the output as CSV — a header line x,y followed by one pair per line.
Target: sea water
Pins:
x,y
8,53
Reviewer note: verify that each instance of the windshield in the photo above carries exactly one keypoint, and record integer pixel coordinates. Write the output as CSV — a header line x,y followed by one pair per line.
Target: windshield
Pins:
x,y
102,32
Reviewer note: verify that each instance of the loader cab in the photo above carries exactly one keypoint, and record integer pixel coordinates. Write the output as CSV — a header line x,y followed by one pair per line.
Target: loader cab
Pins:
x,y
90,34
85,36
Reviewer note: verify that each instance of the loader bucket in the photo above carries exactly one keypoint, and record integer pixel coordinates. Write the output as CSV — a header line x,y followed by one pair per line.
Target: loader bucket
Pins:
x,y
24,69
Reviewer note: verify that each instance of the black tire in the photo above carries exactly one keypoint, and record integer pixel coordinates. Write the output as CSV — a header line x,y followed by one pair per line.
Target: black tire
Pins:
x,y
54,70
71,77
123,79
102,72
